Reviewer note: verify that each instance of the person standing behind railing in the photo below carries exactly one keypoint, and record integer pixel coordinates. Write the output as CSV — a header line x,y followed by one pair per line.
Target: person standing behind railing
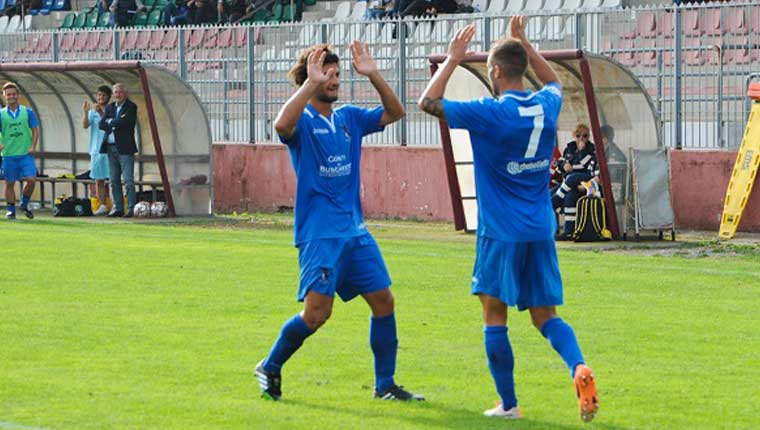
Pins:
x,y
123,12
98,162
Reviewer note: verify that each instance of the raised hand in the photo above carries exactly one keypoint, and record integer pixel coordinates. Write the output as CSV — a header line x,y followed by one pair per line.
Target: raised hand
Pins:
x,y
458,45
314,64
362,59
517,27
86,106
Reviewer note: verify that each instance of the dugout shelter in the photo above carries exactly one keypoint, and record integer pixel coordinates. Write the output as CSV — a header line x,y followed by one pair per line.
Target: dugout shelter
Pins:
x,y
173,133
598,92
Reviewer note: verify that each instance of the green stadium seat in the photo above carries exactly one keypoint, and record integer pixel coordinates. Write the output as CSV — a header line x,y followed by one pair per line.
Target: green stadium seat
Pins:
x,y
68,20
154,19
104,20
310,2
276,12
261,15
80,21
286,13
141,20
92,20
149,3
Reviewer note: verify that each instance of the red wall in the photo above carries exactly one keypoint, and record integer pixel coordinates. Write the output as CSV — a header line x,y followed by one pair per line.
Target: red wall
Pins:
x,y
396,181
698,181
410,182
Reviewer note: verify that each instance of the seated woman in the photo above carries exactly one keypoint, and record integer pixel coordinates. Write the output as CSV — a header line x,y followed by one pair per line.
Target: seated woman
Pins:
x,y
579,165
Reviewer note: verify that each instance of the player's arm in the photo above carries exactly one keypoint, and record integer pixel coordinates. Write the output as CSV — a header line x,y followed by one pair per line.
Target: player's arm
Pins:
x,y
365,65
543,70
35,139
290,112
86,115
431,100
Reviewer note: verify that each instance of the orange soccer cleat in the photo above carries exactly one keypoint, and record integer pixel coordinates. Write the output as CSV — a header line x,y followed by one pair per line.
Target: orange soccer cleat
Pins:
x,y
585,389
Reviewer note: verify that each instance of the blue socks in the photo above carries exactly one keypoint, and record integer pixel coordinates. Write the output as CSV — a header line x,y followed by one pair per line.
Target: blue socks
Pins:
x,y
501,361
384,343
12,208
562,338
24,202
293,333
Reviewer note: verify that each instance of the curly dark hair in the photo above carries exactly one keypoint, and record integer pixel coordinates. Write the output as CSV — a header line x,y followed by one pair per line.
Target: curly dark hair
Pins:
x,y
298,72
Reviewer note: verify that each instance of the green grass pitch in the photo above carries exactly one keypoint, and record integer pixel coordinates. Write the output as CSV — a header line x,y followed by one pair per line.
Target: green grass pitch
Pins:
x,y
124,325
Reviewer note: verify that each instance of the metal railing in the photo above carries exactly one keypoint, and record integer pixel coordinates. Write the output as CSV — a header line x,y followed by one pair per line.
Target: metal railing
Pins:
x,y
693,60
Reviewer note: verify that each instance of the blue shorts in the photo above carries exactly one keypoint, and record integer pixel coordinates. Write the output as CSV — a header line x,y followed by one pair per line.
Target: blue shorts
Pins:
x,y
349,266
522,274
98,166
17,167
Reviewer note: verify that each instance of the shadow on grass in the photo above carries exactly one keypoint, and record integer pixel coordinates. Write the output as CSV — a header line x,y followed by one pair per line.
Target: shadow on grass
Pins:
x,y
451,418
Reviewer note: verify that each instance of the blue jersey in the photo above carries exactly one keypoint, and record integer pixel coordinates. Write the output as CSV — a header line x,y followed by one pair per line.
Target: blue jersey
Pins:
x,y
512,140
326,154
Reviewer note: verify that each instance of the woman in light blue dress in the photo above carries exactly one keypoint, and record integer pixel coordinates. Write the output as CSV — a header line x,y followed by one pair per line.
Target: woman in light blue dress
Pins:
x,y
98,161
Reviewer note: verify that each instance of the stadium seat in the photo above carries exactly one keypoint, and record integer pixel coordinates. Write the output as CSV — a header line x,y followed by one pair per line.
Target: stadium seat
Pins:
x,y
592,4
149,3
739,55
498,28
754,20
572,5
2,5
534,29
141,20
736,21
648,56
91,41
156,38
67,41
569,29
646,25
3,23
195,38
696,56
261,15
305,36
241,36
104,21
224,38
143,40
342,12
496,6
554,29
154,18
690,23
80,21
552,5
665,25
129,40
276,12
80,41
357,13
13,24
92,20
287,13
59,5
533,5
169,41
418,58
26,23
386,33
386,58
515,6
372,32
338,36
105,41
310,2
711,22
68,20
422,32
611,4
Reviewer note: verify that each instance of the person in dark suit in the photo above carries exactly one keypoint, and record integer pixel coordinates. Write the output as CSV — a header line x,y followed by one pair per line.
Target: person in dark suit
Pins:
x,y
118,123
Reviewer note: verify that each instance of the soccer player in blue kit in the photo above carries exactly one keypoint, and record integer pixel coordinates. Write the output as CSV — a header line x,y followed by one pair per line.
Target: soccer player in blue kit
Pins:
x,y
336,253
512,140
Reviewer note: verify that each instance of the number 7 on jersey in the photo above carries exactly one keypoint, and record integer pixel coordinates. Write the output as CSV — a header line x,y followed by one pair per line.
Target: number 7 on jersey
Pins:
x,y
537,112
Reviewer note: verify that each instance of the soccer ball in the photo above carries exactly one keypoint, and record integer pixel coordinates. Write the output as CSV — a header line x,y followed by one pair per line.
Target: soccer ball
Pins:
x,y
158,210
142,209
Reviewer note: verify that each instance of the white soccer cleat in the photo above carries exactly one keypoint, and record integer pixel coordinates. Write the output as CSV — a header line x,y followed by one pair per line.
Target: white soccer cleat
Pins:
x,y
510,414
102,210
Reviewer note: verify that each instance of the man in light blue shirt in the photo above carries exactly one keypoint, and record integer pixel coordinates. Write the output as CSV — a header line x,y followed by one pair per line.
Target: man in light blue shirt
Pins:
x,y
336,254
512,140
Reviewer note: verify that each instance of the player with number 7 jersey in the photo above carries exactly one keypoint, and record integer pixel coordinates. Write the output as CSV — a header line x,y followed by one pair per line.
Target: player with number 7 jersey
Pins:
x,y
512,137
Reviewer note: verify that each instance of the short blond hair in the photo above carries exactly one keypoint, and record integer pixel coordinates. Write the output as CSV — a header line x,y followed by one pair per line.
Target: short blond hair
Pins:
x,y
9,85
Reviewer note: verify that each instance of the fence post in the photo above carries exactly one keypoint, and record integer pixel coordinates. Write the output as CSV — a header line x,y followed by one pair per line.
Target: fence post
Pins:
x,y
250,79
116,44
401,76
677,57
487,33
719,128
578,39
181,49
56,50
